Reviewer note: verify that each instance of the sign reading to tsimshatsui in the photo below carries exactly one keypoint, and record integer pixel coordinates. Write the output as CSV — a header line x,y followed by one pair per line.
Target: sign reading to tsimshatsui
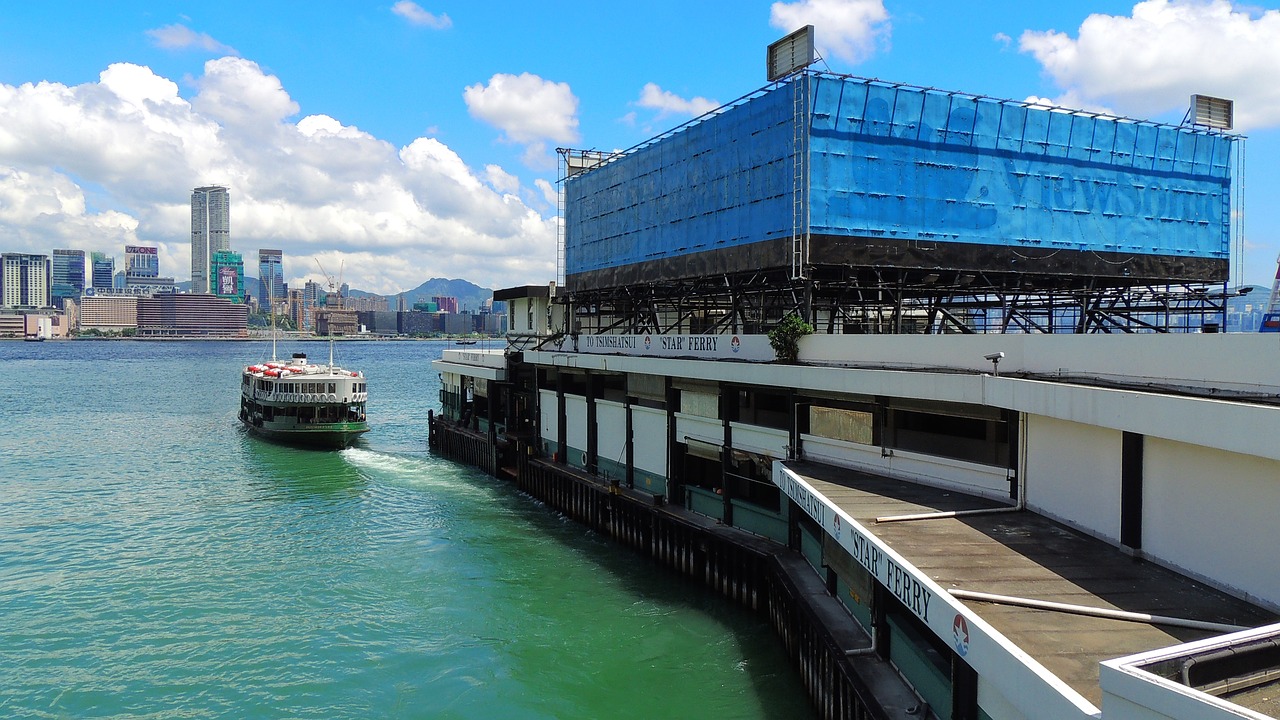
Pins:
x,y
754,348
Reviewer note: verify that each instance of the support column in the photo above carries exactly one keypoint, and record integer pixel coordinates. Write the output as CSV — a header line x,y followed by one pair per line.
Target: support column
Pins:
x,y
562,432
728,413
593,431
630,445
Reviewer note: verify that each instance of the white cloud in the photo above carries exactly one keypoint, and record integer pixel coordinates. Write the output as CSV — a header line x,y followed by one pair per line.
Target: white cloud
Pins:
x,y
108,163
668,103
550,195
1152,61
181,37
414,13
846,29
1004,40
528,110
501,180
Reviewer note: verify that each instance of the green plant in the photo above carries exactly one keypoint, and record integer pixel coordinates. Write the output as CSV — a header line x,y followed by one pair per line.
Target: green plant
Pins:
x,y
784,338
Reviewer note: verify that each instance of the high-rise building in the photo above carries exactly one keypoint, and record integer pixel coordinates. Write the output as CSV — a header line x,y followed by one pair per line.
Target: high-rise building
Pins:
x,y
142,272
210,232
227,272
25,280
68,275
141,261
102,271
270,275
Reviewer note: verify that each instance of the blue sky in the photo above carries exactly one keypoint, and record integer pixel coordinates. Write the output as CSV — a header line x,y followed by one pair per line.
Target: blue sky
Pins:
x,y
402,141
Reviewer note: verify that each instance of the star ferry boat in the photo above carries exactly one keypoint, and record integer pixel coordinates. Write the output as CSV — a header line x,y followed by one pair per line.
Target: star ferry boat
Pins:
x,y
304,404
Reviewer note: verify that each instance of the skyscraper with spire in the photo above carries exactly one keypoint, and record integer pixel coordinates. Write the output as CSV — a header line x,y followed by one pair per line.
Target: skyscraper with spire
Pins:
x,y
210,231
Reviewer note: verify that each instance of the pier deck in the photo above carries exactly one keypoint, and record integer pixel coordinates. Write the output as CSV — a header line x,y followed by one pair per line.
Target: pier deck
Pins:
x,y
1029,556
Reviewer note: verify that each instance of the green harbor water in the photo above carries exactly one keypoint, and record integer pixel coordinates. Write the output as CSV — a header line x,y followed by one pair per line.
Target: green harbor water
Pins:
x,y
157,562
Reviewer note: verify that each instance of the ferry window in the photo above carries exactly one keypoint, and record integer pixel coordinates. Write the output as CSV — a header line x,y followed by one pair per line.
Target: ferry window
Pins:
x,y
764,408
702,472
333,388
978,440
749,479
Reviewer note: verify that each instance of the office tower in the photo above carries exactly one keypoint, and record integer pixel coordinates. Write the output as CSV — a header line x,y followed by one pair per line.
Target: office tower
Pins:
x,y
141,261
103,270
68,275
227,272
25,280
142,272
270,276
210,232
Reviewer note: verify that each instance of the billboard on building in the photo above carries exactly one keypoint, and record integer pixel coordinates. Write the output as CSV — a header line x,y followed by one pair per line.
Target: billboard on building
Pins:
x,y
893,176
227,282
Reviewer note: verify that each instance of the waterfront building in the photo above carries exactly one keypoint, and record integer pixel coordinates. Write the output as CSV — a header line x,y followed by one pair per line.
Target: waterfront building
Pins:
x,y
191,315
147,285
420,323
446,303
210,232
108,312
102,271
985,480
25,280
379,322
270,275
336,321
68,275
227,272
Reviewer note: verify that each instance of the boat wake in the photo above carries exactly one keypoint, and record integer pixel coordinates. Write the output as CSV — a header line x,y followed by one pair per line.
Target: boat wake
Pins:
x,y
414,471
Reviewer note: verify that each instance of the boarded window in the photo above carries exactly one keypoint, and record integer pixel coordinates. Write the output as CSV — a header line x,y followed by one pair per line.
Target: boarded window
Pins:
x,y
849,425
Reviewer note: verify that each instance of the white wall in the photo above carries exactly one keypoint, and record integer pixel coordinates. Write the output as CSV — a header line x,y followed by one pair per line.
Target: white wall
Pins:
x,y
765,441
1073,474
1226,361
983,480
611,431
699,428
649,433
549,417
1214,514
575,421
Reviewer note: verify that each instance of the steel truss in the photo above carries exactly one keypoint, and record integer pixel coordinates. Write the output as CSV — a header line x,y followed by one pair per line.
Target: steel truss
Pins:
x,y
891,301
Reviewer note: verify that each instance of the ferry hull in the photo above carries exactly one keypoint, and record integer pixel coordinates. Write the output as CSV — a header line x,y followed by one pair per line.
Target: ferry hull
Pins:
x,y
333,435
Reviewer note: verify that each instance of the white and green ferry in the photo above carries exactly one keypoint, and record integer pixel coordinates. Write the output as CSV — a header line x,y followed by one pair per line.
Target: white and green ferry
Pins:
x,y
304,404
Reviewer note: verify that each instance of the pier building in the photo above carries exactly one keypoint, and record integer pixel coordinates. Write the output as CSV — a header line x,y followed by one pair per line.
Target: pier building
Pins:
x,y
1013,473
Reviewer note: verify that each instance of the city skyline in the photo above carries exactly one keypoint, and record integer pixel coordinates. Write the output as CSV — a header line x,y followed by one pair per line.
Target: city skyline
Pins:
x,y
417,140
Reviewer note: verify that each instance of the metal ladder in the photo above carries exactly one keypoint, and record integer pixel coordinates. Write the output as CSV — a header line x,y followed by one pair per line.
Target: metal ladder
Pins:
x,y
799,175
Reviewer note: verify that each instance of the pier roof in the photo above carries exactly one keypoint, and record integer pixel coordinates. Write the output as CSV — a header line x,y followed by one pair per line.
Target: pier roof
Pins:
x,y
1026,555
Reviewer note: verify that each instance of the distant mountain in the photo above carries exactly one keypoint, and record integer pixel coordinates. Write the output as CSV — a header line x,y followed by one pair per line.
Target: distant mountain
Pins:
x,y
470,296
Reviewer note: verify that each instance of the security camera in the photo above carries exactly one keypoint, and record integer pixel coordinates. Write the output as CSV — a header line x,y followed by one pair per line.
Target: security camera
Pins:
x,y
995,356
